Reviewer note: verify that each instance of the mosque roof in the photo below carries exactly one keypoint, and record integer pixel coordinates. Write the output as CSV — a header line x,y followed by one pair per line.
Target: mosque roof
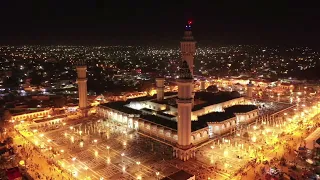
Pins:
x,y
216,117
120,106
159,120
240,108
180,175
212,98
220,116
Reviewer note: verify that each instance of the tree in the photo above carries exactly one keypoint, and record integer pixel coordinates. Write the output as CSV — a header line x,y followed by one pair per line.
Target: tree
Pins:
x,y
6,115
212,88
235,94
59,102
8,140
146,86
36,79
246,135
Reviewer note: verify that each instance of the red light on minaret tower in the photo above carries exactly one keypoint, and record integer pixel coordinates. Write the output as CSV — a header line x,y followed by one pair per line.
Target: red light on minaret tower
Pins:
x,y
189,22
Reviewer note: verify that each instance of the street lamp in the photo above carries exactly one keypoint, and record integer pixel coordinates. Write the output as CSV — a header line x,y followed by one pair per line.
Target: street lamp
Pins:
x,y
157,174
122,154
108,148
86,169
95,142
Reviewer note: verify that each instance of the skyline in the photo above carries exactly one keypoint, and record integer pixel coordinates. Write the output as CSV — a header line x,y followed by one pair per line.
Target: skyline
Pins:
x,y
141,23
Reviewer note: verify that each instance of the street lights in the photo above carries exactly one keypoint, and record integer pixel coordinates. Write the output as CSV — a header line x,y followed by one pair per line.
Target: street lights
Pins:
x,y
108,148
122,154
86,169
138,163
95,142
157,174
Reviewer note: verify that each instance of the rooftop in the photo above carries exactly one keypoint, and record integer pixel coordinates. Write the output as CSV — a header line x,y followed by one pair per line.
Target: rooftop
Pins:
x,y
220,116
16,112
205,99
120,106
159,120
213,98
202,99
180,175
240,108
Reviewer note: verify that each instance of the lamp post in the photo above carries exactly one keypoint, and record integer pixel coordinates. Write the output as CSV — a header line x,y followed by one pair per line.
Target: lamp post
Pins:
x,y
95,142
157,174
122,154
108,148
138,163
86,169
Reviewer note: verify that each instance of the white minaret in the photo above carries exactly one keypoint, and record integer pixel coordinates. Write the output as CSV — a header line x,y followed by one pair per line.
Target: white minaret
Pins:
x,y
82,85
188,49
184,147
160,88
249,89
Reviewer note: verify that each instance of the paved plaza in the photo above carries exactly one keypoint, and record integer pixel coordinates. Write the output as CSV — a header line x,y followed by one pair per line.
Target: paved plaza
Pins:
x,y
102,149
97,148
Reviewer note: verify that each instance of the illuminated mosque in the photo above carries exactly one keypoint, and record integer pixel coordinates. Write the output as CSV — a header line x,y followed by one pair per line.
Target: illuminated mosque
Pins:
x,y
185,119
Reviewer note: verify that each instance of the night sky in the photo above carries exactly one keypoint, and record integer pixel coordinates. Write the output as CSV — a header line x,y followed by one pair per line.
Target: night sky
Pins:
x,y
90,22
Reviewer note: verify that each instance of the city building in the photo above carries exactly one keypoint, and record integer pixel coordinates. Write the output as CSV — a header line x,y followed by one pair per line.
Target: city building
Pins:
x,y
30,114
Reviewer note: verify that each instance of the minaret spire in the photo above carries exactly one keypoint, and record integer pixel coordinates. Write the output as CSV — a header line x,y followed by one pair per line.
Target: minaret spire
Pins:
x,y
188,46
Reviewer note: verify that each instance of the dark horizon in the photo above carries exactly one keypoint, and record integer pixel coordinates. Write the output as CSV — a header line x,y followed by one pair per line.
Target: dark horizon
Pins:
x,y
145,23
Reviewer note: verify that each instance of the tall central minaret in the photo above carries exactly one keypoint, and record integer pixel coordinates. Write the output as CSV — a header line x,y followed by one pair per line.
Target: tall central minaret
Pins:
x,y
82,84
184,101
188,49
188,46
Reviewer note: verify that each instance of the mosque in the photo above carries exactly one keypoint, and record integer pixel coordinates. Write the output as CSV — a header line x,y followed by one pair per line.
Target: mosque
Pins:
x,y
185,119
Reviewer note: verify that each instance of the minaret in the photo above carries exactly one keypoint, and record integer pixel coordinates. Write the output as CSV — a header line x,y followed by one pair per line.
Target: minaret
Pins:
x,y
249,89
160,88
184,147
82,84
188,49
202,84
